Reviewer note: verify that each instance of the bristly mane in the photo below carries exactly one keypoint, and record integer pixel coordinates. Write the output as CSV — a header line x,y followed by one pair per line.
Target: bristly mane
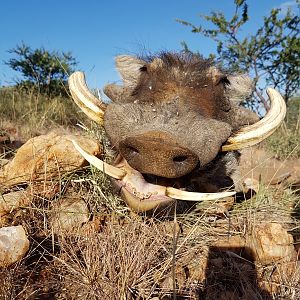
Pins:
x,y
169,75
184,68
188,61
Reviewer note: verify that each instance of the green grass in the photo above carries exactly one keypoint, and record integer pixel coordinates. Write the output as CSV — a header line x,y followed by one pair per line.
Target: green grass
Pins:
x,y
285,142
34,113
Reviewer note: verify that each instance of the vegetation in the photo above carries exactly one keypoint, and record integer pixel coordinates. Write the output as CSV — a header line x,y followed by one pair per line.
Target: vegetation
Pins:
x,y
46,71
118,254
270,55
285,142
32,113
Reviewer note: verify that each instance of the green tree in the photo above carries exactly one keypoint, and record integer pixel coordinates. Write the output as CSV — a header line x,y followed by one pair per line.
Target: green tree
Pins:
x,y
41,69
271,54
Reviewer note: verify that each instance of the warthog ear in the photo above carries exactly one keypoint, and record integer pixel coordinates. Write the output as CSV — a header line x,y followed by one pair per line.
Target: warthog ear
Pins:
x,y
215,74
240,87
129,68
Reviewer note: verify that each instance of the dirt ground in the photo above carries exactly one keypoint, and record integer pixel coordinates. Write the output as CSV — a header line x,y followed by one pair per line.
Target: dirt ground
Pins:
x,y
258,163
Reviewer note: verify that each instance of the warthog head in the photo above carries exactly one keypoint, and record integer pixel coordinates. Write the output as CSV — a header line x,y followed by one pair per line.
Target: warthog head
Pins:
x,y
175,123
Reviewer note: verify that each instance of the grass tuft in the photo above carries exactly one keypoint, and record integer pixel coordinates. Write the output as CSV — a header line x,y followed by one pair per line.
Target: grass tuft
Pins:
x,y
285,142
33,114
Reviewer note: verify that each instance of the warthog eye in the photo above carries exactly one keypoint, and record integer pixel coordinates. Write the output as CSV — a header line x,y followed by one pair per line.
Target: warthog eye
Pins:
x,y
133,150
143,68
224,80
180,158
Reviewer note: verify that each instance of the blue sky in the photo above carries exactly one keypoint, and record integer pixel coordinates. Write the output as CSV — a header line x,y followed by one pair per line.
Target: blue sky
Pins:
x,y
96,31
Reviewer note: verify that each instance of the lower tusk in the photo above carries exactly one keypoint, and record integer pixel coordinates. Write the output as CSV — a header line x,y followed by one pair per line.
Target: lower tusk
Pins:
x,y
169,191
192,196
100,165
255,133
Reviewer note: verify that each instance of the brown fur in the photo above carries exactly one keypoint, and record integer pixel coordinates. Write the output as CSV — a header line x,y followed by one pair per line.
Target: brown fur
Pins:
x,y
182,97
183,76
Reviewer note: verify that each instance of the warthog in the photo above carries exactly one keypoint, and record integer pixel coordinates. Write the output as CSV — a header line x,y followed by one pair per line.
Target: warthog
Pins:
x,y
176,123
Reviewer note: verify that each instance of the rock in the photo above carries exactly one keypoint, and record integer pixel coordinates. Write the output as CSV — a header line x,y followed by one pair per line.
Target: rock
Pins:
x,y
46,190
13,200
189,268
23,198
270,243
13,245
274,277
271,278
235,244
3,162
252,184
45,157
217,208
69,215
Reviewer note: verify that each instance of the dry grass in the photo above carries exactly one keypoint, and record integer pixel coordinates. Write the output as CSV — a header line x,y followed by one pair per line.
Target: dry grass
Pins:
x,y
32,114
117,263
285,142
126,256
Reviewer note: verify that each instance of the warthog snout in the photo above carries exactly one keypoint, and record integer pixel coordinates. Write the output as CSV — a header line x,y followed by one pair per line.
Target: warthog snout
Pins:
x,y
158,154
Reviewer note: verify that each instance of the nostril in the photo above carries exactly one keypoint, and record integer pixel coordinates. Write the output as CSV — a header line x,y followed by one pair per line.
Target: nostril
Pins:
x,y
132,150
180,158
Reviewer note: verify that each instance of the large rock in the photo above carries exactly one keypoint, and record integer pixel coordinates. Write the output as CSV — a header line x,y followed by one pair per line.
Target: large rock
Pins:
x,y
270,243
13,245
69,215
13,200
190,268
45,157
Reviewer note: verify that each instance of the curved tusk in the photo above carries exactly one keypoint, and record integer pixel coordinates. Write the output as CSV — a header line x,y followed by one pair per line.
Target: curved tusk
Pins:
x,y
93,107
99,164
255,133
191,196
171,192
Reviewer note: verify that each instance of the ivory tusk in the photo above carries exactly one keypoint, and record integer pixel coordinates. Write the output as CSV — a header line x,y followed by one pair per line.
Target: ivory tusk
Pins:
x,y
192,196
255,133
99,164
93,107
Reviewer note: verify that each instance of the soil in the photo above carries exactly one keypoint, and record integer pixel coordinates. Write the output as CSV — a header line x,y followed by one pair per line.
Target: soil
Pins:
x,y
261,165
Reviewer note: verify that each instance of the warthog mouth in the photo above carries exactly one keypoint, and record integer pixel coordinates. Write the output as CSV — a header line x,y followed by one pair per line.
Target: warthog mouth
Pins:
x,y
147,192
142,195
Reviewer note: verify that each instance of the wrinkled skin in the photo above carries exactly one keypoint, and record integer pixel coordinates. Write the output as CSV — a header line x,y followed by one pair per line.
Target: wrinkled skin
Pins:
x,y
171,117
